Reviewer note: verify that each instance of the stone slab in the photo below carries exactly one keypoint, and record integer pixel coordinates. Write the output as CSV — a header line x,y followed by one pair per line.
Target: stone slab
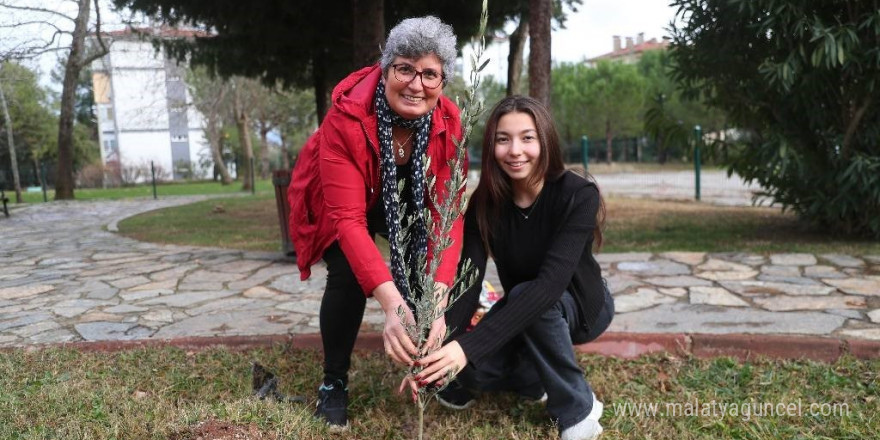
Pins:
x,y
655,267
677,281
820,271
856,286
690,318
625,256
186,299
727,275
104,331
715,296
773,288
793,259
842,260
786,303
865,333
24,291
689,258
225,324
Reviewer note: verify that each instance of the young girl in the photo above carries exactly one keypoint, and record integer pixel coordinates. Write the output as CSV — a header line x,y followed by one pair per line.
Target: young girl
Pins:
x,y
539,223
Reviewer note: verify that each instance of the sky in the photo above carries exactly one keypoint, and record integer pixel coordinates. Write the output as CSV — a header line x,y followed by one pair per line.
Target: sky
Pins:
x,y
589,32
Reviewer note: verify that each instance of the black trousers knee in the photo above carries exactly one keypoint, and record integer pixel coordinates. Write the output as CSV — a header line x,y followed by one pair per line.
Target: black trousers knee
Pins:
x,y
342,311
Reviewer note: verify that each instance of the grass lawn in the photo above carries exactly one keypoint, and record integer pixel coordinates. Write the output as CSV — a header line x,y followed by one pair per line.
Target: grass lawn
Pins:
x,y
172,394
164,189
632,226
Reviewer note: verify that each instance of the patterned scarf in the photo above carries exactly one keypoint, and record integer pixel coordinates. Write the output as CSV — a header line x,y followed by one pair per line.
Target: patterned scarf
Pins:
x,y
415,240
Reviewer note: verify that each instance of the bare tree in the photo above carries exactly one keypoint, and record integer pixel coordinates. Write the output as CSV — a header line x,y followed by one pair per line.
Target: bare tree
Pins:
x,y
78,56
209,97
244,91
12,158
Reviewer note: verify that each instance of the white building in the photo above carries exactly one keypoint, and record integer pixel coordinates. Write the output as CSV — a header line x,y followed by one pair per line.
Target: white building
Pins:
x,y
143,116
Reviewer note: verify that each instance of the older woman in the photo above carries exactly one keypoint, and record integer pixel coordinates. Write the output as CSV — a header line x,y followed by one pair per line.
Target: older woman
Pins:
x,y
385,119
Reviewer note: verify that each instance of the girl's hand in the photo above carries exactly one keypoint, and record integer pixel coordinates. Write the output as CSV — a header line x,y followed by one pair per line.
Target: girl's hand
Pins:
x,y
409,382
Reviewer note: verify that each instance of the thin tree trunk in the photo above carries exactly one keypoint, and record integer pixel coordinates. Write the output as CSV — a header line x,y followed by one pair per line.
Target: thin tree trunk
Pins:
x,y
539,50
76,59
285,157
243,122
214,139
264,151
64,182
322,89
517,41
13,160
608,140
368,31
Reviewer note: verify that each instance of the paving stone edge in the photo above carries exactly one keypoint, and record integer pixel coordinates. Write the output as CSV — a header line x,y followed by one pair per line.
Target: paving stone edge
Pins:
x,y
613,344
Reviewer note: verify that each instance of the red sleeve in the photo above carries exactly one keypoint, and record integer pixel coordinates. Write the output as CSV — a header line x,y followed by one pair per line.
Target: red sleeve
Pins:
x,y
345,192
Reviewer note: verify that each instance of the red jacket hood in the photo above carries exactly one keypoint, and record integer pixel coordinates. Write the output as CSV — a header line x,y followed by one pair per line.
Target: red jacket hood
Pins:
x,y
354,97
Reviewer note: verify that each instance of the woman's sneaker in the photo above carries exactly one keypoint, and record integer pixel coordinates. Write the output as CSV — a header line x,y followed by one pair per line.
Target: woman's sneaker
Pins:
x,y
332,406
456,396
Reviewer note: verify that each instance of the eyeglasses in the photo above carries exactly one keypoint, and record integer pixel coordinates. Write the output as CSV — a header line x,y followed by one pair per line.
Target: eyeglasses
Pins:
x,y
405,73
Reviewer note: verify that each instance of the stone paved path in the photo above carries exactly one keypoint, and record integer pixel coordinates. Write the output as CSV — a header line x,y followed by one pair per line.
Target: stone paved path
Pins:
x,y
63,277
715,187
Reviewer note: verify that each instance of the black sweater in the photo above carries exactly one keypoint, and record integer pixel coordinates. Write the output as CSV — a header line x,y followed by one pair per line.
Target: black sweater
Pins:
x,y
552,250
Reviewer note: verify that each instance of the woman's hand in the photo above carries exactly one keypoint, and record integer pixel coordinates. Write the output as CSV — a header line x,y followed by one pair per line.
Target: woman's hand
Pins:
x,y
435,336
398,344
448,359
437,333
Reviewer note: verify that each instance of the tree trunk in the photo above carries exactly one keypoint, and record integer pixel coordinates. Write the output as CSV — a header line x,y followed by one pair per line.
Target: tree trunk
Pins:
x,y
264,150
215,140
243,122
285,157
539,50
661,150
322,89
64,182
13,160
515,55
609,138
368,31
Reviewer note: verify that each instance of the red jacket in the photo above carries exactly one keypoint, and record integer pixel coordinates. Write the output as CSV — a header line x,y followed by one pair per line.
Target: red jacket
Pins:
x,y
337,180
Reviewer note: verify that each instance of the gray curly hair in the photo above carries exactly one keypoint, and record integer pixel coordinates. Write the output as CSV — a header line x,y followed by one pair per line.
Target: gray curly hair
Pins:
x,y
417,37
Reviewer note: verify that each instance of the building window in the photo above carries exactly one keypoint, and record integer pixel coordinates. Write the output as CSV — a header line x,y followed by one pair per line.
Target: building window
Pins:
x,y
177,109
108,113
173,78
179,138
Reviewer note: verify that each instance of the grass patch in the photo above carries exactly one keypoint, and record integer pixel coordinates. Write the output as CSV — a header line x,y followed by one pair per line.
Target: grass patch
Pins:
x,y
245,223
163,189
168,393
632,226
636,225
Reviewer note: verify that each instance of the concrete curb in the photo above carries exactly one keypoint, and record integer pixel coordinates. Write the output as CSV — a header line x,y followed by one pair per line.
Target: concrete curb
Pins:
x,y
614,344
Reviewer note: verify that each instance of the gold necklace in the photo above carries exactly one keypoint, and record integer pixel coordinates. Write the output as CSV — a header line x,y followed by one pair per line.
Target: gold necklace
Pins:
x,y
401,145
532,209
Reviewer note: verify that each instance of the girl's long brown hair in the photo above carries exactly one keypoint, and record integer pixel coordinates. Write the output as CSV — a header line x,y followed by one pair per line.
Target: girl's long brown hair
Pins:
x,y
495,189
